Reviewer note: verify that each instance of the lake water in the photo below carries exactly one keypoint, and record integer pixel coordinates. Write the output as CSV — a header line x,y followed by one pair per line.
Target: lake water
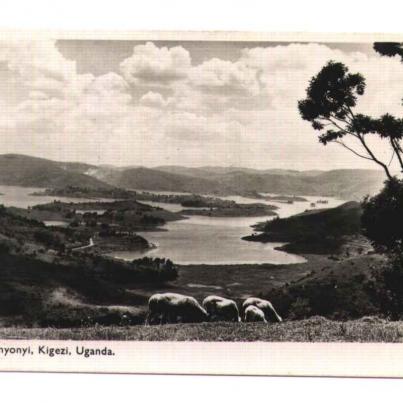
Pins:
x,y
198,239
216,240
21,197
174,207
55,223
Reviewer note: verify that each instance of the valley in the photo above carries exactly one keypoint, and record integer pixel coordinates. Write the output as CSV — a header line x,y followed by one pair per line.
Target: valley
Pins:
x,y
128,243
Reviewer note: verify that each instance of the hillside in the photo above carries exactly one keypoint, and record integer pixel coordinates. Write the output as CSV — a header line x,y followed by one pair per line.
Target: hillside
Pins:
x,y
337,289
314,231
344,184
50,276
214,170
152,179
22,170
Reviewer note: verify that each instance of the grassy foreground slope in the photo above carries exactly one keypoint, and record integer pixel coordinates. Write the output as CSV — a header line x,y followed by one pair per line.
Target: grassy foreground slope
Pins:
x,y
315,329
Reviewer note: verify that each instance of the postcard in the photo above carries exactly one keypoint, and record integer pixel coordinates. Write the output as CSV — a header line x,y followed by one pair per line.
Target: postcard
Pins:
x,y
201,203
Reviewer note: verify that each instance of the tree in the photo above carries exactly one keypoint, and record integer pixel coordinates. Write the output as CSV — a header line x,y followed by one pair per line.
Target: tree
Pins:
x,y
389,49
329,106
383,216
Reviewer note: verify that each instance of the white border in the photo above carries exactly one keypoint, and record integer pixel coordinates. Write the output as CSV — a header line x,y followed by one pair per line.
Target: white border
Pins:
x,y
215,358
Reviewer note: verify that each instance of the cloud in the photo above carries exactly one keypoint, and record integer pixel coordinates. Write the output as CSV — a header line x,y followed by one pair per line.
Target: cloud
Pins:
x,y
107,84
38,64
103,96
191,127
284,73
240,112
153,100
154,66
39,95
225,78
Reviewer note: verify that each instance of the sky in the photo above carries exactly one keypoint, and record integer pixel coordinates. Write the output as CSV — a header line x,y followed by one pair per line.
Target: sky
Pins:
x,y
189,103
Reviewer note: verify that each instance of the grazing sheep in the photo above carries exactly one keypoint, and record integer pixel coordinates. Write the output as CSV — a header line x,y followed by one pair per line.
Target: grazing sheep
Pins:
x,y
269,312
221,309
174,308
254,314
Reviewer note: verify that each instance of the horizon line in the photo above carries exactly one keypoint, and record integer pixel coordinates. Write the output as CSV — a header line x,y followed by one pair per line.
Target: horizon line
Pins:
x,y
187,167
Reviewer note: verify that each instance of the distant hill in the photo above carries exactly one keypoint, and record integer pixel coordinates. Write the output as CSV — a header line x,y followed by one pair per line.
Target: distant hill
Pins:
x,y
346,184
22,170
217,171
152,179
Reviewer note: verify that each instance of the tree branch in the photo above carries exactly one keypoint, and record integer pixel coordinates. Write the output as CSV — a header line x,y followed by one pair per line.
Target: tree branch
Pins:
x,y
391,158
361,138
352,150
351,112
339,127
397,150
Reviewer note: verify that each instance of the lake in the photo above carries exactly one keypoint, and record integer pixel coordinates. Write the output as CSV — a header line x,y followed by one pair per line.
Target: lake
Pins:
x,y
21,197
55,223
198,239
216,240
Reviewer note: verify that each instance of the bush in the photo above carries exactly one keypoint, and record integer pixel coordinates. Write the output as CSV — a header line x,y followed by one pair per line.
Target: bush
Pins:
x,y
387,287
48,238
300,309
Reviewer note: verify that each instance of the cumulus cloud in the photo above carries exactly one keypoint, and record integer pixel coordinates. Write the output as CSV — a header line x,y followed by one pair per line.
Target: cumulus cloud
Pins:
x,y
191,127
37,95
107,84
151,65
226,78
285,71
38,64
239,112
153,100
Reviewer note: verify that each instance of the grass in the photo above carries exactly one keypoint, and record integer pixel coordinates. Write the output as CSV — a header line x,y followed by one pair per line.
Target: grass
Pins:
x,y
315,329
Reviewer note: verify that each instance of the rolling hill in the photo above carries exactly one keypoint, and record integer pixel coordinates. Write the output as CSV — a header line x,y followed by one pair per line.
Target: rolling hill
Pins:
x,y
152,179
22,170
345,184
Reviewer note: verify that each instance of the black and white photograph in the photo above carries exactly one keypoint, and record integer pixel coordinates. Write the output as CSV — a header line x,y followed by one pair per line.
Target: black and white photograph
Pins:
x,y
200,190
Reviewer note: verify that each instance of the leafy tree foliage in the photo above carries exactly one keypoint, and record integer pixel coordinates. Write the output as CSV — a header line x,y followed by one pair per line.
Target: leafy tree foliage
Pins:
x,y
389,49
331,98
382,217
329,106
